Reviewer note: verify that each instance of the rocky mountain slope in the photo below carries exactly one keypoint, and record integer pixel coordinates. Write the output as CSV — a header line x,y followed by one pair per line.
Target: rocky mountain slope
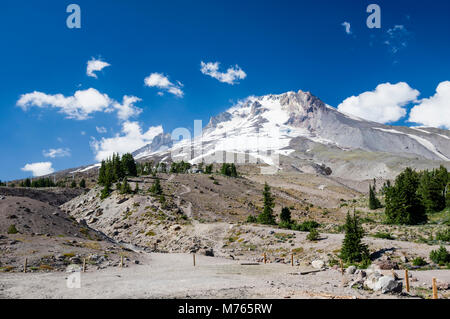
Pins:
x,y
306,134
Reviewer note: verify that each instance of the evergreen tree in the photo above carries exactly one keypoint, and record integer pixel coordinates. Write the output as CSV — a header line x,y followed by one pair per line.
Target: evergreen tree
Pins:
x,y
129,165
83,183
374,203
266,217
102,174
125,189
403,204
106,191
285,216
353,249
156,188
209,169
136,189
432,189
73,184
447,195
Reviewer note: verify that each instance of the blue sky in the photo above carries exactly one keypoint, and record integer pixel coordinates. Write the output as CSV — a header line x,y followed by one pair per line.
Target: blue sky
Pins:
x,y
279,45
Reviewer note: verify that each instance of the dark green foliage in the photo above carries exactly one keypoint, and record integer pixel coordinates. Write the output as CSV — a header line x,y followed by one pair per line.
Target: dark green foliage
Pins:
x,y
73,184
2,184
419,261
266,217
403,203
443,235
12,230
353,249
209,169
128,165
136,188
106,191
83,183
180,167
313,235
374,202
440,256
432,189
38,183
229,170
305,226
285,215
156,188
382,235
115,169
252,219
125,188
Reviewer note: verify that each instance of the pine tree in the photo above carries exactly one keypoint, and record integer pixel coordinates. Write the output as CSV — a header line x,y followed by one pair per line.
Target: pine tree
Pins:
x,y
83,183
125,189
403,204
102,174
285,216
353,249
73,184
374,203
266,217
106,191
129,165
447,195
156,188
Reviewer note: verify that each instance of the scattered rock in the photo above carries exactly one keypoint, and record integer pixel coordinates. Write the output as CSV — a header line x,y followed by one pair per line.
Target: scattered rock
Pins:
x,y
318,264
175,228
388,284
350,270
387,264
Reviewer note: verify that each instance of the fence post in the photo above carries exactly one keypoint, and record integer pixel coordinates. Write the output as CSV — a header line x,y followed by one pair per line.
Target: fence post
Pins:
x,y
121,261
265,258
292,260
407,280
25,265
84,264
193,259
435,292
342,266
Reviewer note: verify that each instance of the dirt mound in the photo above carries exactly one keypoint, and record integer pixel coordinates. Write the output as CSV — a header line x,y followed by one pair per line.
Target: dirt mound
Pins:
x,y
52,196
28,216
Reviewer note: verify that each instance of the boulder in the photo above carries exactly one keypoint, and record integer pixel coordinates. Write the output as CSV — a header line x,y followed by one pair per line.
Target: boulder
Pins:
x,y
318,264
175,228
388,284
371,280
350,270
209,252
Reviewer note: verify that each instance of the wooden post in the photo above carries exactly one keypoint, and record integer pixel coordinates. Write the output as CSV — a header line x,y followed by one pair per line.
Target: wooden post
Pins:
x,y
193,259
265,258
84,264
342,266
407,280
435,292
121,262
25,265
292,260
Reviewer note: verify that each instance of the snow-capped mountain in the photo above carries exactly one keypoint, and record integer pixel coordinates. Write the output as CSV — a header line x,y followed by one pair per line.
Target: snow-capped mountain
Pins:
x,y
299,127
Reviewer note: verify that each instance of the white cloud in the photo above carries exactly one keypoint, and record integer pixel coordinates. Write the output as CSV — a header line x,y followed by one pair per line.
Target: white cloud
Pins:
x,y
79,106
95,65
434,111
347,27
59,152
127,109
383,105
231,76
39,169
101,129
129,140
162,82
82,104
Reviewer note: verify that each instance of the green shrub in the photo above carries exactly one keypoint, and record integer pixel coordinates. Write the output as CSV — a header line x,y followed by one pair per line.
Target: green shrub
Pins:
x,y
440,256
313,235
419,261
12,230
252,219
382,235
305,226
444,235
